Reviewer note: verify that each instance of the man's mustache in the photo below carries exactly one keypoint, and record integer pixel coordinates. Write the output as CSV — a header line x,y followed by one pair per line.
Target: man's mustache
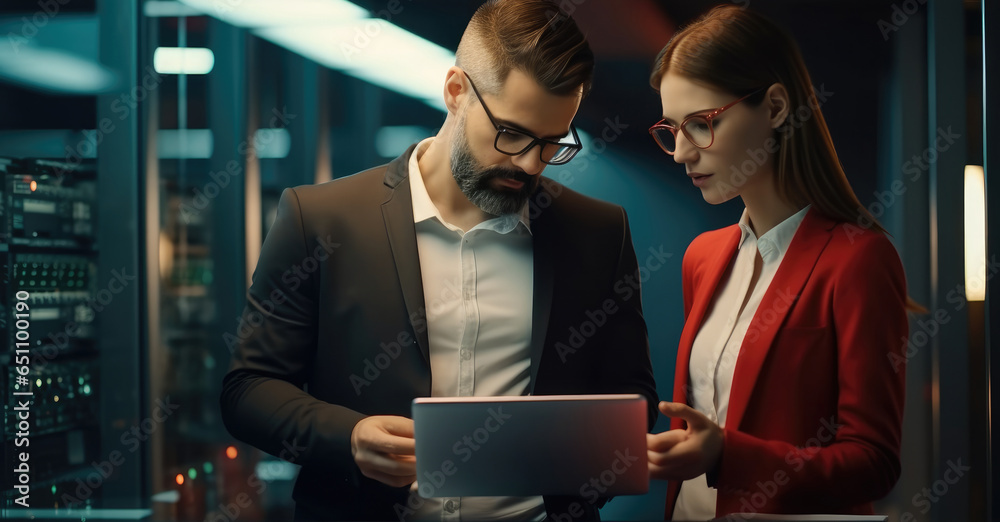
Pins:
x,y
502,173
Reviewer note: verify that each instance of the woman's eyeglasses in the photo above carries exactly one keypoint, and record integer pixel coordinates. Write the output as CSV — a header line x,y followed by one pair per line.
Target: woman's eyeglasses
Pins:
x,y
696,127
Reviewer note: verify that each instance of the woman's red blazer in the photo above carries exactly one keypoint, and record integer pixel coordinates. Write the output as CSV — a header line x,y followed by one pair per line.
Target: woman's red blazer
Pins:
x,y
816,406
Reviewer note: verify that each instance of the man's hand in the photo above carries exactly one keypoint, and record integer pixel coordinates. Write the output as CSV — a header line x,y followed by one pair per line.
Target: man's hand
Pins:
x,y
384,449
684,454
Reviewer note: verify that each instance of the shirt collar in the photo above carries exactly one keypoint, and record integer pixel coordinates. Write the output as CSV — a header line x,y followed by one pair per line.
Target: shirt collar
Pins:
x,y
773,244
424,208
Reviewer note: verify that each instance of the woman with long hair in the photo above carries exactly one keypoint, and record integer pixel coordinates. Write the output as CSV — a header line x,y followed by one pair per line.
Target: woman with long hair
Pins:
x,y
787,395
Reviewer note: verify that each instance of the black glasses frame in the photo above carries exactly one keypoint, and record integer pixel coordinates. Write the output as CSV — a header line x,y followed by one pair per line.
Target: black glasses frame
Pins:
x,y
535,140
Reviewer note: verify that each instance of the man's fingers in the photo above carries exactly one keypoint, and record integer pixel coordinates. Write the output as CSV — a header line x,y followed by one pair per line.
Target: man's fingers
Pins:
x,y
385,434
397,467
407,463
393,445
400,426
398,436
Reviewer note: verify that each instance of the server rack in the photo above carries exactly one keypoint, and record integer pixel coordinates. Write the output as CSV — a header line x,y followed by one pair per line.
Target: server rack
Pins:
x,y
73,343
49,328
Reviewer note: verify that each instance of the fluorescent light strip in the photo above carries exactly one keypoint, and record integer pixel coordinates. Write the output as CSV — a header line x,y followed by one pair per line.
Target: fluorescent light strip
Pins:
x,y
375,51
269,13
168,9
975,233
343,36
53,69
272,143
183,60
184,143
198,143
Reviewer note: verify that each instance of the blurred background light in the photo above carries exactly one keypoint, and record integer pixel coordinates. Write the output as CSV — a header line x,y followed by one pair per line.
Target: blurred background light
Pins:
x,y
393,140
271,470
264,13
343,36
184,143
272,143
168,8
183,60
169,497
375,51
975,233
52,70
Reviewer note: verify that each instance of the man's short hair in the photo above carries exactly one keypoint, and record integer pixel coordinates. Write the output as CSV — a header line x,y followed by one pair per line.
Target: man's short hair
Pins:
x,y
535,37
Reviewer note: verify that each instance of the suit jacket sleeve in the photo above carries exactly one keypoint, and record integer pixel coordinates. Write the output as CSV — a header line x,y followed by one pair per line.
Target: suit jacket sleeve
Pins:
x,y
628,368
263,402
862,460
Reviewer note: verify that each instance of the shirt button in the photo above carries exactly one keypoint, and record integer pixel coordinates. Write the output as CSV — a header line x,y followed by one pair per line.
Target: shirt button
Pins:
x,y
449,506
466,354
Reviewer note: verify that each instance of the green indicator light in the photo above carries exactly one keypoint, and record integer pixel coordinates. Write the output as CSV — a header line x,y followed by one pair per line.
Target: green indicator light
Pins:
x,y
193,473
208,467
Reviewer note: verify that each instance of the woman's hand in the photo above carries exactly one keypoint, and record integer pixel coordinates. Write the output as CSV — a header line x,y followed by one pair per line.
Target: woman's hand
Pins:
x,y
684,454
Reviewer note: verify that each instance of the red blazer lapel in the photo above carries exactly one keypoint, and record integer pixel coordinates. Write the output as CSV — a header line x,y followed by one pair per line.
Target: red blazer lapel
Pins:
x,y
704,280
803,252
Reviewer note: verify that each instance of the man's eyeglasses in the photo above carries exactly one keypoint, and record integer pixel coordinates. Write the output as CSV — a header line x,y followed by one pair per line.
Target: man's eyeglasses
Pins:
x,y
696,127
514,142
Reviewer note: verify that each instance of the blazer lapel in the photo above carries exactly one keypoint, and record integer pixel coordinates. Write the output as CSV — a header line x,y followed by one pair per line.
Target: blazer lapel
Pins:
x,y
803,252
542,276
709,279
397,212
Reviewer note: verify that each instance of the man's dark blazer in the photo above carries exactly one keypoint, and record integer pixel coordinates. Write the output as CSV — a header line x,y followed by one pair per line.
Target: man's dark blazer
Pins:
x,y
335,328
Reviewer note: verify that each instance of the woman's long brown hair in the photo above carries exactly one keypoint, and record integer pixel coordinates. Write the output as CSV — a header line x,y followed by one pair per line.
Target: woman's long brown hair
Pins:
x,y
739,51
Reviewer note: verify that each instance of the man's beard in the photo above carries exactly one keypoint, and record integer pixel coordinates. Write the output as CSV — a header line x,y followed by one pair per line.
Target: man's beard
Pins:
x,y
476,180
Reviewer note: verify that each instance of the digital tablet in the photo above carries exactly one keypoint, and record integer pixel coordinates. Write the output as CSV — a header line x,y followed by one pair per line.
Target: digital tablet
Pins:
x,y
582,445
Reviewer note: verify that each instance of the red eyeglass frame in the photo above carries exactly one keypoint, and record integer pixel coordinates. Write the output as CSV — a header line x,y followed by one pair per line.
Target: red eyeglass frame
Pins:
x,y
711,114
